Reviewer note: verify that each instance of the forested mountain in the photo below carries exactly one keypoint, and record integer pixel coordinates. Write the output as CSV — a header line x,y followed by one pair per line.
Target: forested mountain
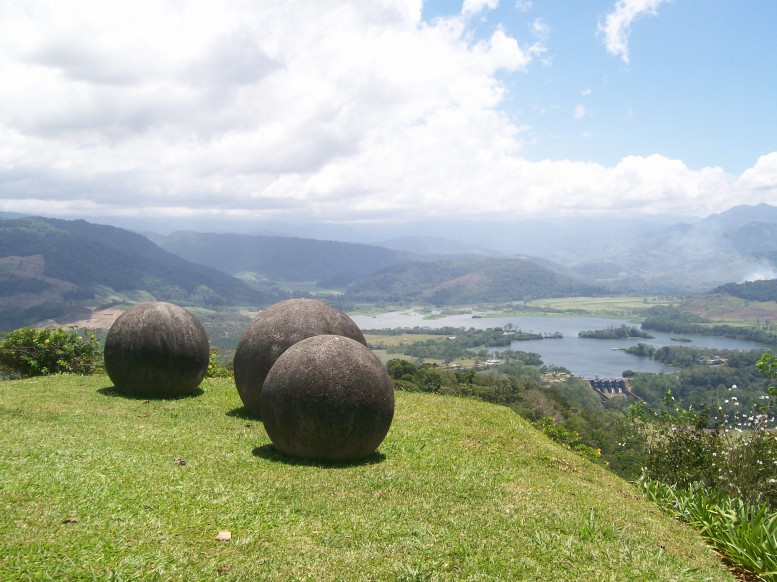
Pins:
x,y
330,263
467,281
765,290
48,266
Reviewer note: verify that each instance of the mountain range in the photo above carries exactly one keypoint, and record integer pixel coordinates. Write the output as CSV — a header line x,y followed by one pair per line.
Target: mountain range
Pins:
x,y
330,263
51,267
734,246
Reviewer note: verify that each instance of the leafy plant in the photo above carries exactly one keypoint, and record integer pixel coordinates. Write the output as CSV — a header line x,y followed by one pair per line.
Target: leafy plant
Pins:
x,y
745,534
30,352
215,369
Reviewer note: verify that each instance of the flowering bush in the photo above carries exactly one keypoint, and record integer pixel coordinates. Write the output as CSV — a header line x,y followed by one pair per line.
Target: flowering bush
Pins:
x,y
39,352
730,451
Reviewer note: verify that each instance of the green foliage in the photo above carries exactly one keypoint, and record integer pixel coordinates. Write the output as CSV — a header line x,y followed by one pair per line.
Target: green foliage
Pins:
x,y
675,446
613,332
765,290
767,365
398,369
568,438
216,369
674,320
461,343
745,533
30,352
737,457
703,378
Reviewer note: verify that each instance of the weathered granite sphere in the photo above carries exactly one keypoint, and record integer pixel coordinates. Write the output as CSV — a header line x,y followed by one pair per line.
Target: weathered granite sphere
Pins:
x,y
275,330
156,350
327,398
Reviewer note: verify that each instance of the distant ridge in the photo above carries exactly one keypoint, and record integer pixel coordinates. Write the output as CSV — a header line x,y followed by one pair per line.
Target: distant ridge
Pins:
x,y
330,263
731,247
468,281
435,245
52,267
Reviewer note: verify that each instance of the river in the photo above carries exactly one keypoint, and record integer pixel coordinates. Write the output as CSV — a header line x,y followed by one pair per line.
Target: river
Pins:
x,y
584,357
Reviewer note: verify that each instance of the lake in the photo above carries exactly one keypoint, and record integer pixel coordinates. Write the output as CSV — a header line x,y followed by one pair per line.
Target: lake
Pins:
x,y
584,357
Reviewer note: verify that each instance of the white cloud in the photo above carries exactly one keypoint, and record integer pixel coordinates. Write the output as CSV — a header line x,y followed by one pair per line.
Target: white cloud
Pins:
x,y
471,7
617,24
580,112
354,111
760,179
540,29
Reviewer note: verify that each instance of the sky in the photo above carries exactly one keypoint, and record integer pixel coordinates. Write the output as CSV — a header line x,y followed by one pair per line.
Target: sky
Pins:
x,y
367,111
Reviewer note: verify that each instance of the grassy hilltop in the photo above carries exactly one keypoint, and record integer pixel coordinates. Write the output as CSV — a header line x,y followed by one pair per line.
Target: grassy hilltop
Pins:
x,y
95,486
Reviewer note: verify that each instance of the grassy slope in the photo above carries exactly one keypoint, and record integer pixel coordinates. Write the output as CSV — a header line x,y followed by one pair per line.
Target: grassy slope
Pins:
x,y
460,489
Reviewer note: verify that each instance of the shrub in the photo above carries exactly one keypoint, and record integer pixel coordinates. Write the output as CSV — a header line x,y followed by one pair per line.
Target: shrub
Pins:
x,y
737,456
30,352
215,369
568,438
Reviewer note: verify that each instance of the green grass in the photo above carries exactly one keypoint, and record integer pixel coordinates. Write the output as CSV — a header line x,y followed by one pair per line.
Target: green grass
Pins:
x,y
90,489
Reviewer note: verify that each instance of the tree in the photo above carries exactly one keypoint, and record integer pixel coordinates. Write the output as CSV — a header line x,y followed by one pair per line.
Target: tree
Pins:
x,y
30,352
398,368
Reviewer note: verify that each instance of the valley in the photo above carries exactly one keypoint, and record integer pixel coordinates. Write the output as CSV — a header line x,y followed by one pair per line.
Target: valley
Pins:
x,y
79,274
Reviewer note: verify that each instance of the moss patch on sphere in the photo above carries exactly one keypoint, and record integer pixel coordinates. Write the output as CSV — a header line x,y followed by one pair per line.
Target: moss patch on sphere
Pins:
x,y
275,330
156,350
327,398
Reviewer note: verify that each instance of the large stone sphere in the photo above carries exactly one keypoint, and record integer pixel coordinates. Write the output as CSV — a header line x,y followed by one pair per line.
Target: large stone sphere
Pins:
x,y
275,330
156,350
327,398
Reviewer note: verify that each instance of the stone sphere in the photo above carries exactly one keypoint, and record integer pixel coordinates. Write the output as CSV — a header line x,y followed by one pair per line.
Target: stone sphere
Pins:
x,y
156,350
275,330
327,398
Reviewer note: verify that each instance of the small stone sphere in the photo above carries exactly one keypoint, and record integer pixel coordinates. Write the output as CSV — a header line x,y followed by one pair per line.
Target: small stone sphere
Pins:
x,y
156,350
275,330
327,398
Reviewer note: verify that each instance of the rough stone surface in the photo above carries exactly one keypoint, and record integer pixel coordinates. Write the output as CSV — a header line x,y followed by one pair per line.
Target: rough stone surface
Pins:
x,y
327,398
156,349
275,330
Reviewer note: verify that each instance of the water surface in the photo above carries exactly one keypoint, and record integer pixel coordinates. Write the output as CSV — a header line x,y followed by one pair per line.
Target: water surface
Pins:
x,y
584,357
